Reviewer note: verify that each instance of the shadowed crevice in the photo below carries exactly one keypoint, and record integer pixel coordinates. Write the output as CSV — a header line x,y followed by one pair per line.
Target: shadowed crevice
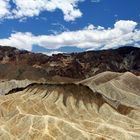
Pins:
x,y
77,91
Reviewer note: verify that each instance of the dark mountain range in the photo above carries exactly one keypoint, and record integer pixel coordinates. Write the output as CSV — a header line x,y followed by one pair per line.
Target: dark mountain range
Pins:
x,y
21,64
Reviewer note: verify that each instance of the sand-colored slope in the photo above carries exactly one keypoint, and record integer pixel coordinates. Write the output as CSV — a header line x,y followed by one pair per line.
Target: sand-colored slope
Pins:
x,y
99,79
6,86
65,112
123,88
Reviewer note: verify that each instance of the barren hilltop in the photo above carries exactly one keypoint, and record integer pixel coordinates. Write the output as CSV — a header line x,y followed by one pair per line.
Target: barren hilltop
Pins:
x,y
21,64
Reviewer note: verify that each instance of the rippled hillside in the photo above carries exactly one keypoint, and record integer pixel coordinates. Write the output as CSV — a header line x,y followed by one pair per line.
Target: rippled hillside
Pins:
x,y
102,107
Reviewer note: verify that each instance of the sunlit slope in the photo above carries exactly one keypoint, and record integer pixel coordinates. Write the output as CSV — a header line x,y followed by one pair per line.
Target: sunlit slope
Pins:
x,y
66,112
120,87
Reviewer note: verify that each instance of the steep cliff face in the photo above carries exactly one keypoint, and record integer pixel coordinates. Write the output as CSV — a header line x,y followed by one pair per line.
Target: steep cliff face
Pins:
x,y
80,111
19,64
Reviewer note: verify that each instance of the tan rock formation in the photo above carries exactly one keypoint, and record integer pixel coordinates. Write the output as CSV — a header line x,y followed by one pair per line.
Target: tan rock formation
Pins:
x,y
123,88
73,111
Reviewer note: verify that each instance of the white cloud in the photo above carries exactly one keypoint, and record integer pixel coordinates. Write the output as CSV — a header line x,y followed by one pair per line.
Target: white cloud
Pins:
x,y
125,26
30,8
4,8
91,37
19,40
52,52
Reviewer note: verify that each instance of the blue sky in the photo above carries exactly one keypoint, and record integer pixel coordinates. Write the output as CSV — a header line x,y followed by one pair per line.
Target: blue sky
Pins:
x,y
69,25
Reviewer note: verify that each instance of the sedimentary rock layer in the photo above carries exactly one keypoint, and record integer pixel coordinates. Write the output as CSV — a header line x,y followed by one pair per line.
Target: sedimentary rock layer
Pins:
x,y
81,111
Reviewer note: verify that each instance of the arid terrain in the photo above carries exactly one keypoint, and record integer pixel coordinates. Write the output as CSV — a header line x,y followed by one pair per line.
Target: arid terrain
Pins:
x,y
21,64
85,96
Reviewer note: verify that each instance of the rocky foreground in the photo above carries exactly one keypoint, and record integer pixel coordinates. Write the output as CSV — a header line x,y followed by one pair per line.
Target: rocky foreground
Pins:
x,y
102,107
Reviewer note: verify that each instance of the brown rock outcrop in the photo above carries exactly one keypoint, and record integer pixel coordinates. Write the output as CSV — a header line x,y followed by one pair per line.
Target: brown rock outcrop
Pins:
x,y
20,64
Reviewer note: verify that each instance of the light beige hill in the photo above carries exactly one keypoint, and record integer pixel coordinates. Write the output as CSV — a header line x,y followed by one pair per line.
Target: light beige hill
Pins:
x,y
65,112
101,78
6,86
122,88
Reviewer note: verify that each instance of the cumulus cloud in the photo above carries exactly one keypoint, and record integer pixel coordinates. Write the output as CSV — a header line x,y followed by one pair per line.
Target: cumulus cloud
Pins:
x,y
91,37
19,40
30,8
4,8
52,52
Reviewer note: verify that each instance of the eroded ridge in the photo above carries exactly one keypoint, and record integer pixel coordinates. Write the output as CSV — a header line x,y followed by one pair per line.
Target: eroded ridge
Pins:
x,y
65,111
